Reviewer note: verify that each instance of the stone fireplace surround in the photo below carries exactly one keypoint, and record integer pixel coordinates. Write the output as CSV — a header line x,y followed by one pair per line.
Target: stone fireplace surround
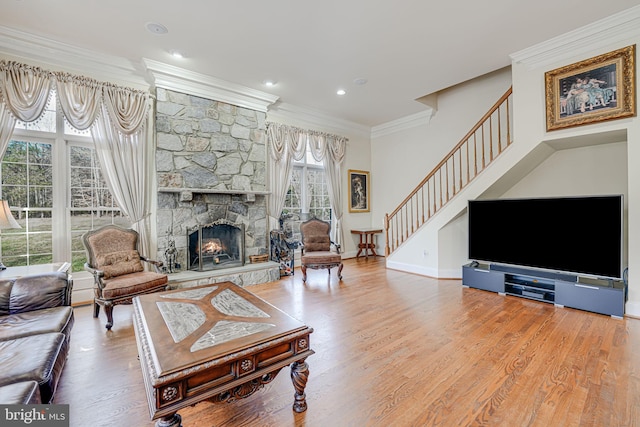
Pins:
x,y
211,166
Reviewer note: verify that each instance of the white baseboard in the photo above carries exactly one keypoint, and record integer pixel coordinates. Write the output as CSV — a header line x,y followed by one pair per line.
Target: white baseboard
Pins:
x,y
426,271
632,308
82,297
410,268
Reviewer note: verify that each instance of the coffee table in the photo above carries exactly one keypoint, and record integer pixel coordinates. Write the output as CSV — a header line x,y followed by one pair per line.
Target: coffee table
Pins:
x,y
216,342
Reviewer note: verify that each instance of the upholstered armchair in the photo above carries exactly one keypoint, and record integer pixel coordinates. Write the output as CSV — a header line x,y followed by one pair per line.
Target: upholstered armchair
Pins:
x,y
118,272
316,247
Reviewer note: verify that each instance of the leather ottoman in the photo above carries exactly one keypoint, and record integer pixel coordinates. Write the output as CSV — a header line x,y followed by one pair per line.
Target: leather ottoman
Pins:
x,y
36,358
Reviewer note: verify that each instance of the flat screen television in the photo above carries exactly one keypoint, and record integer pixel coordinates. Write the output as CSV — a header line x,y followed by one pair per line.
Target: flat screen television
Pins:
x,y
578,235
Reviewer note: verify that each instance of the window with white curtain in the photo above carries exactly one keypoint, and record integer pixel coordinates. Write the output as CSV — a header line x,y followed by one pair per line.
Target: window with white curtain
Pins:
x,y
307,196
52,181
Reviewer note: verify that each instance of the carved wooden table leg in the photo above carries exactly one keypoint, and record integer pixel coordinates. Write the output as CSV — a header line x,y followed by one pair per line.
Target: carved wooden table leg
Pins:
x,y
173,420
221,372
299,377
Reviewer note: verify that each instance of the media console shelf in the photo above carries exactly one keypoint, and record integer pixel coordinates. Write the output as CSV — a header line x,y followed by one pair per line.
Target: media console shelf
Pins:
x,y
564,290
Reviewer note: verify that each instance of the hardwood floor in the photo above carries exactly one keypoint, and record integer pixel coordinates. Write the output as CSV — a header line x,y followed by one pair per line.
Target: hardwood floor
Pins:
x,y
393,349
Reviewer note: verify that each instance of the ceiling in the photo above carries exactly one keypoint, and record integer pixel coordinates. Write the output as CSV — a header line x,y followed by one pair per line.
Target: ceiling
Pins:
x,y
405,49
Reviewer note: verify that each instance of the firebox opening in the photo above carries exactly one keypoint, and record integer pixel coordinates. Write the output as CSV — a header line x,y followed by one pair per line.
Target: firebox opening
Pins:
x,y
218,245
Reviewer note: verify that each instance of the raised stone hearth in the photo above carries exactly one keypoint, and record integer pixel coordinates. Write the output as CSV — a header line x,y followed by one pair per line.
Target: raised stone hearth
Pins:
x,y
249,274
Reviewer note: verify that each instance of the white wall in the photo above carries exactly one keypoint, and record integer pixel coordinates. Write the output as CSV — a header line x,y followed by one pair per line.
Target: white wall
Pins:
x,y
591,170
400,160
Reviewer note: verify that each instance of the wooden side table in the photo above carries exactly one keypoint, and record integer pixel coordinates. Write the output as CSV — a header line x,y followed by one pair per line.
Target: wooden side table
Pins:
x,y
366,240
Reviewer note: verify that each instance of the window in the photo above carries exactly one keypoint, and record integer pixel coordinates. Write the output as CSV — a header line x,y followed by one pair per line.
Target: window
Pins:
x,y
27,183
52,181
307,196
91,202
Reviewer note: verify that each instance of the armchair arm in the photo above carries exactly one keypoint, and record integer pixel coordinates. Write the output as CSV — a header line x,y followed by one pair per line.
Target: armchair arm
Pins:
x,y
39,291
157,265
97,274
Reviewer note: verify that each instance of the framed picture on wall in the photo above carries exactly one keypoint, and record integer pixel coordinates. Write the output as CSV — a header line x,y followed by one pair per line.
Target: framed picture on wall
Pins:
x,y
359,191
590,91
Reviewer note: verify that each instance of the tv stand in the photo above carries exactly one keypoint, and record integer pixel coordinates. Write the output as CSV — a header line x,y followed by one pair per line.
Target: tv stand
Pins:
x,y
600,296
538,273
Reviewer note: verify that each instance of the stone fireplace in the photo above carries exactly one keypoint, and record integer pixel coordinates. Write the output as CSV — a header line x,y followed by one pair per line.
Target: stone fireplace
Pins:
x,y
211,170
215,246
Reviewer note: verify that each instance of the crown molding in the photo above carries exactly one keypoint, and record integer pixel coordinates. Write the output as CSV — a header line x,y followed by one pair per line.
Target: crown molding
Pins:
x,y
601,34
185,81
403,123
40,51
308,117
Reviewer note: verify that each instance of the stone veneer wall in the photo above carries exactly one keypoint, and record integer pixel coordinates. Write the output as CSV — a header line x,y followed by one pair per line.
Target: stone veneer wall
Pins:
x,y
210,165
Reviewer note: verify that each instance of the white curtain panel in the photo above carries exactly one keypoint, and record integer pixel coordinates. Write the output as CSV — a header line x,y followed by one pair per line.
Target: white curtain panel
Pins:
x,y
123,158
7,123
336,152
331,151
279,168
285,145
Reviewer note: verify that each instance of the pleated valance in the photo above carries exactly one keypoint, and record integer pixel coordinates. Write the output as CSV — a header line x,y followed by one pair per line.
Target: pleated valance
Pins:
x,y
25,91
292,140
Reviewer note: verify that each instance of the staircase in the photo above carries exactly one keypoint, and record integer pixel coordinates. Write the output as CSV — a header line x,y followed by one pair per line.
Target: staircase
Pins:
x,y
475,151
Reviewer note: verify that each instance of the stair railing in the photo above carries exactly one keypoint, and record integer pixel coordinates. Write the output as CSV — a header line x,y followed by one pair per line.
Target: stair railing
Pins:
x,y
475,151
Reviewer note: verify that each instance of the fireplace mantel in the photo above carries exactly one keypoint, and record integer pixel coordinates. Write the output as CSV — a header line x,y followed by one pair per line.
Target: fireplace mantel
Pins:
x,y
210,191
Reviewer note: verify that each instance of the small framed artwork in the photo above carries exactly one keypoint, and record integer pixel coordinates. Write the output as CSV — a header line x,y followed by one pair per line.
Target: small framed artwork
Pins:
x,y
359,191
590,91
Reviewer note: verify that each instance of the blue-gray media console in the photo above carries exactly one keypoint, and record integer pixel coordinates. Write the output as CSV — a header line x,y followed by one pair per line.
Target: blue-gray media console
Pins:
x,y
597,295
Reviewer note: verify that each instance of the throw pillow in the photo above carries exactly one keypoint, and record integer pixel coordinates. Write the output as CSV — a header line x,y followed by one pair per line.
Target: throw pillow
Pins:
x,y
118,263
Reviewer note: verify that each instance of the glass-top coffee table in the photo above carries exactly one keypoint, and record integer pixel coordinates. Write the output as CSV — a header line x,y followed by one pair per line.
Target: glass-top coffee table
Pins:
x,y
215,342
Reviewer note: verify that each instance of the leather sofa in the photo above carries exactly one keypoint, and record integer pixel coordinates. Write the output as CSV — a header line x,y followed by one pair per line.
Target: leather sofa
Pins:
x,y
36,318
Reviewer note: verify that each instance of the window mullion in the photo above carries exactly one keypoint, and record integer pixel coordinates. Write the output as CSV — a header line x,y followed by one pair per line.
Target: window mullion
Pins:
x,y
61,243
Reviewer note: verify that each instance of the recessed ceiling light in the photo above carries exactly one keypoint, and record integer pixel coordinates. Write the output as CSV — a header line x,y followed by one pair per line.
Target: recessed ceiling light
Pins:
x,y
269,82
341,92
156,28
176,54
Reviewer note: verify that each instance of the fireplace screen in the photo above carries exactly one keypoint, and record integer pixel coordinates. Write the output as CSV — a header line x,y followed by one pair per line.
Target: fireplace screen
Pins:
x,y
216,245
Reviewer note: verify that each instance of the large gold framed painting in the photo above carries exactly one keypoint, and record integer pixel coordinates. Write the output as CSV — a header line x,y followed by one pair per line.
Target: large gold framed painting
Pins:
x,y
590,91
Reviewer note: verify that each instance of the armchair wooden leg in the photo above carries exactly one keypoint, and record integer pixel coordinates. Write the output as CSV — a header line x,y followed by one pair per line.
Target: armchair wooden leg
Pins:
x,y
340,271
108,309
304,272
96,309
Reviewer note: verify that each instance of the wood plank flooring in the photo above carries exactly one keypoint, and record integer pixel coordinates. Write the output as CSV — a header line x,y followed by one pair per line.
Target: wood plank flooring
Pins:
x,y
393,349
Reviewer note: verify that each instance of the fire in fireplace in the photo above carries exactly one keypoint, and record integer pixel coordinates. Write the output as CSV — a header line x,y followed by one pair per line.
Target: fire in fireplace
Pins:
x,y
216,245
